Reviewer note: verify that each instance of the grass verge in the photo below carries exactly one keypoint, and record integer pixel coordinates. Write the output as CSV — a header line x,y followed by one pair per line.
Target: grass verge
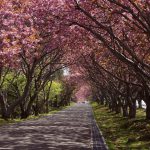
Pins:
x,y
122,133
52,111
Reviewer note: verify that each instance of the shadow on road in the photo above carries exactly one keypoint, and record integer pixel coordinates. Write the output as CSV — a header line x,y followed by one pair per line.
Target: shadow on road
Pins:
x,y
67,130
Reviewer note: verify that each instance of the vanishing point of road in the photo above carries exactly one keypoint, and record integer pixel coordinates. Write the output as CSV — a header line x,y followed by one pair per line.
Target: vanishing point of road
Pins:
x,y
71,129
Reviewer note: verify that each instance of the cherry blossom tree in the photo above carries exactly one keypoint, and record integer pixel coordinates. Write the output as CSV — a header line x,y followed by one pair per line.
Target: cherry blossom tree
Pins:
x,y
122,28
107,40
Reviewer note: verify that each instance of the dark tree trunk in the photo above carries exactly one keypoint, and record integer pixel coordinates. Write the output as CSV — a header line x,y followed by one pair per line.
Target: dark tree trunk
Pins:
x,y
24,114
36,111
106,103
110,105
125,111
132,109
4,110
47,98
118,109
21,98
114,104
102,101
118,106
139,103
47,106
148,110
147,101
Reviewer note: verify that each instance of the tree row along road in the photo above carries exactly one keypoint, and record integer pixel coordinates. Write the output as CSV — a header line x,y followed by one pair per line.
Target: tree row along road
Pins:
x,y
69,129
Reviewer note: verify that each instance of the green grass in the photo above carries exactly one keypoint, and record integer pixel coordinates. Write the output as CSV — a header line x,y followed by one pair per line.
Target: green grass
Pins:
x,y
31,117
4,122
122,133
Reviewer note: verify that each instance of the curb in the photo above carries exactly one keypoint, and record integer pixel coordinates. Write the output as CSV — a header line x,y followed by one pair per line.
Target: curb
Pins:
x,y
99,139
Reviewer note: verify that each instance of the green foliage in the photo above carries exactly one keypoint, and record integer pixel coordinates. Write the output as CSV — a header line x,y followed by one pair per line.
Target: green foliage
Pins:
x,y
13,84
56,89
53,90
43,96
123,133
10,80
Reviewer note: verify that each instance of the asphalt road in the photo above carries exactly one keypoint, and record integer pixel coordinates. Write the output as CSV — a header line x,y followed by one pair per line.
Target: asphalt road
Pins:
x,y
70,129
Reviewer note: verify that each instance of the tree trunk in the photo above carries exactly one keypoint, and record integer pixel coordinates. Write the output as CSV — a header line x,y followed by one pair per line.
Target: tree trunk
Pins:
x,y
118,109
148,110
106,103
125,111
36,109
4,110
114,104
118,106
47,106
102,101
139,103
132,109
21,98
110,105
147,101
24,114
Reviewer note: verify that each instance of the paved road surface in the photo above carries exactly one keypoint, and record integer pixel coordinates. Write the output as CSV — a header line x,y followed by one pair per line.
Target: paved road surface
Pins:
x,y
70,129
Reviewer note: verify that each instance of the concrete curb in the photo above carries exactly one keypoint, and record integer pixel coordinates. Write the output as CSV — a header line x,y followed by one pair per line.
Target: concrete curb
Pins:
x,y
100,138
